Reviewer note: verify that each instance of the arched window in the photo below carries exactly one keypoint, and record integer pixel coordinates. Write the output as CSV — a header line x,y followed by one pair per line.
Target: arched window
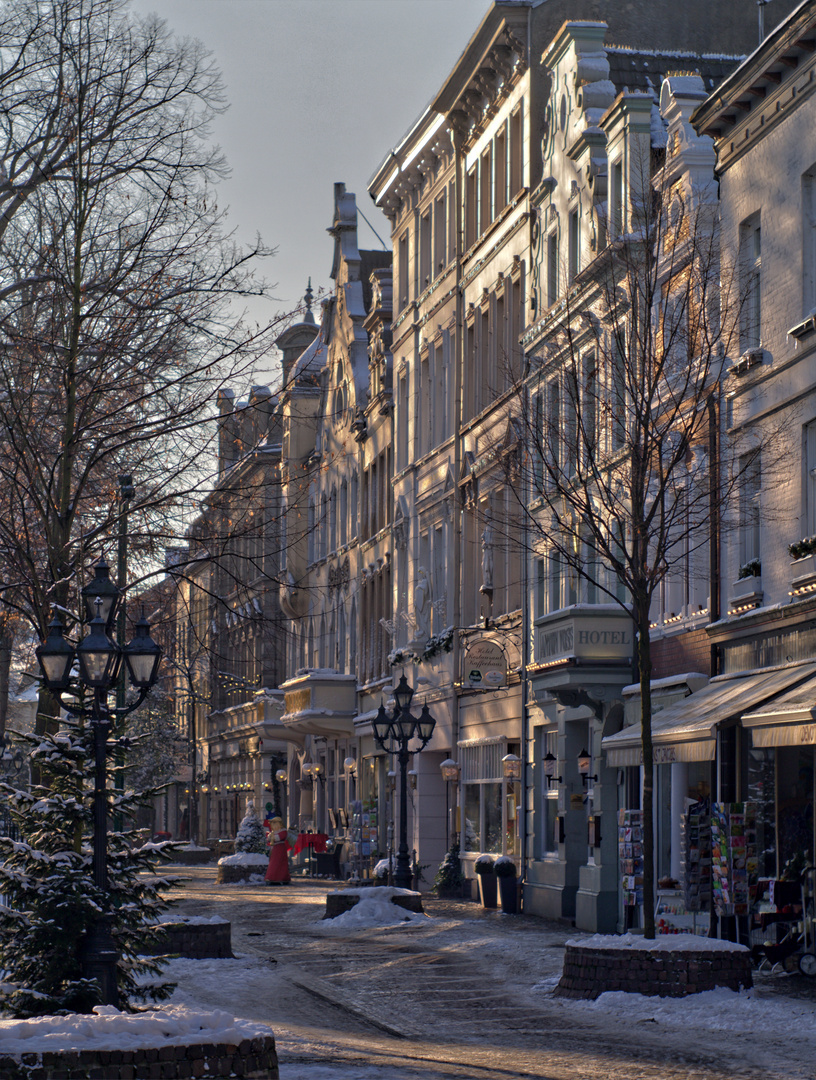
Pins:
x,y
322,649
333,521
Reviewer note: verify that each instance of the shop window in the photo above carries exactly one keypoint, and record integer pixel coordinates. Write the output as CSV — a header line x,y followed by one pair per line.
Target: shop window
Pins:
x,y
483,797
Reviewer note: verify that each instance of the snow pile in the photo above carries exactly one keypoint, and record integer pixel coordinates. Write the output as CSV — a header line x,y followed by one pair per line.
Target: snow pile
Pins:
x,y
109,1029
373,909
735,1012
662,943
245,858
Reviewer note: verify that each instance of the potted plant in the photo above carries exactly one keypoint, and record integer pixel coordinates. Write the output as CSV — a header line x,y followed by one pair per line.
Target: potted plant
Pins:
x,y
505,870
449,879
487,880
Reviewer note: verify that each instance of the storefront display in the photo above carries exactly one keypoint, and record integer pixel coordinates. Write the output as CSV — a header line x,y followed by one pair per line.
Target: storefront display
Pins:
x,y
733,856
696,857
630,856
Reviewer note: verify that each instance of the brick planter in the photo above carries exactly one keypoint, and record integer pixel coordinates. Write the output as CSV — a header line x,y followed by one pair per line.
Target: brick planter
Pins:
x,y
590,971
228,875
253,1059
197,856
337,903
198,941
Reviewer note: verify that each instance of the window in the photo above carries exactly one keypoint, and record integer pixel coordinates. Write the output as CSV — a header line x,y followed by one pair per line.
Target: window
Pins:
x,y
485,190
403,271
589,407
425,270
616,215
574,246
333,520
440,235
552,434
750,490
809,241
471,207
618,392
423,420
750,267
810,478
483,797
402,422
501,170
552,268
516,153
344,513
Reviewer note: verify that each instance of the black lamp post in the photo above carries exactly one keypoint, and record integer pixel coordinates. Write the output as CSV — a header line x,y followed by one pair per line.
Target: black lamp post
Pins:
x,y
100,662
393,734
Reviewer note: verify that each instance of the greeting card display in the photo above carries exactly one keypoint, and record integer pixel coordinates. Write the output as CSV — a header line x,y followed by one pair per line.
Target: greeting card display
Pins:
x,y
630,856
695,843
733,855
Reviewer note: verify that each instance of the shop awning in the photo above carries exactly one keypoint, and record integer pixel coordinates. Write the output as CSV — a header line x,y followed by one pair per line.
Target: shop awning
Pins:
x,y
687,731
787,720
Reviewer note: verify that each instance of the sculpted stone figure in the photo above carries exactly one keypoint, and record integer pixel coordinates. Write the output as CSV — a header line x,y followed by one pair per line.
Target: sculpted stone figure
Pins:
x,y
422,604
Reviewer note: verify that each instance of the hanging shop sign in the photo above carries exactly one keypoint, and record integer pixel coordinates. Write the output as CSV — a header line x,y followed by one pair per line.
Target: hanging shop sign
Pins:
x,y
485,666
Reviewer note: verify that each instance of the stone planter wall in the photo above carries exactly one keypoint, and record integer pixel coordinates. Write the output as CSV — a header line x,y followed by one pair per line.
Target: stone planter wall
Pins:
x,y
198,941
590,972
228,875
253,1059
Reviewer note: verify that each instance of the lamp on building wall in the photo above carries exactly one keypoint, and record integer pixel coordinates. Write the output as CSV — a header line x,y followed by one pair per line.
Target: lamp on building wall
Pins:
x,y
550,764
450,774
350,766
393,734
584,761
100,661
511,766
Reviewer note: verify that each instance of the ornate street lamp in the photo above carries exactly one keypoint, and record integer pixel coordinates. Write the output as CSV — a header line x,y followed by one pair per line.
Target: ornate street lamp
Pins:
x,y
99,662
393,734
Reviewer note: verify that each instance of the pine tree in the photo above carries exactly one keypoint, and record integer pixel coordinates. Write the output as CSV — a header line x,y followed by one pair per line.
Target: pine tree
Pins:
x,y
47,882
251,835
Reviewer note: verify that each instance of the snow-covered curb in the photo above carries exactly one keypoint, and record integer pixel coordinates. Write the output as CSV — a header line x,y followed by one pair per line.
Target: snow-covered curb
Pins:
x,y
662,943
109,1029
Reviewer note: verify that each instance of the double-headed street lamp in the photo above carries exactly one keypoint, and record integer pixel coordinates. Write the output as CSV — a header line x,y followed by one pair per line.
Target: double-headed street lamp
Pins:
x,y
99,661
393,734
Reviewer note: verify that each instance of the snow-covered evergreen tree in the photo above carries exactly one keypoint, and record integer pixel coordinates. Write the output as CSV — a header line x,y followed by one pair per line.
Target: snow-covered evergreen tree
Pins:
x,y
50,900
251,835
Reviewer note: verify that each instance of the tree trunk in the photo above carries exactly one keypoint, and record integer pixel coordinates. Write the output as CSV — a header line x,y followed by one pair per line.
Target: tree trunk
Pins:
x,y
645,666
6,642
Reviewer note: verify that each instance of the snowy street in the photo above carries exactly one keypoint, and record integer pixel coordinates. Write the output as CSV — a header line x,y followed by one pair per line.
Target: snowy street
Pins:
x,y
465,993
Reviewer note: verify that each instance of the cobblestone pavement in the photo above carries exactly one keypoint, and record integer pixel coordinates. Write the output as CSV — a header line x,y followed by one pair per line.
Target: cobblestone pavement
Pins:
x,y
451,998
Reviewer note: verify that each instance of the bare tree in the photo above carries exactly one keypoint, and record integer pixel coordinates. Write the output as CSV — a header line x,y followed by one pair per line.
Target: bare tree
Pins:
x,y
118,297
630,473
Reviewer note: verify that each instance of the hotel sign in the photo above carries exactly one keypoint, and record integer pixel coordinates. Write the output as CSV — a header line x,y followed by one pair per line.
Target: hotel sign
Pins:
x,y
485,666
584,636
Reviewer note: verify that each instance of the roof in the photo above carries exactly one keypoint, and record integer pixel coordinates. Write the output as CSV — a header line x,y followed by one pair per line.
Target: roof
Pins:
x,y
643,70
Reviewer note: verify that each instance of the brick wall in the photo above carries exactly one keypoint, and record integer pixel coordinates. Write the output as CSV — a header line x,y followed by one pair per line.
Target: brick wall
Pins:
x,y
674,654
253,1059
590,972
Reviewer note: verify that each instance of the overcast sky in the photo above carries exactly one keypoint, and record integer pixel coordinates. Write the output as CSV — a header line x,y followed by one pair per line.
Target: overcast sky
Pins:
x,y
319,91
